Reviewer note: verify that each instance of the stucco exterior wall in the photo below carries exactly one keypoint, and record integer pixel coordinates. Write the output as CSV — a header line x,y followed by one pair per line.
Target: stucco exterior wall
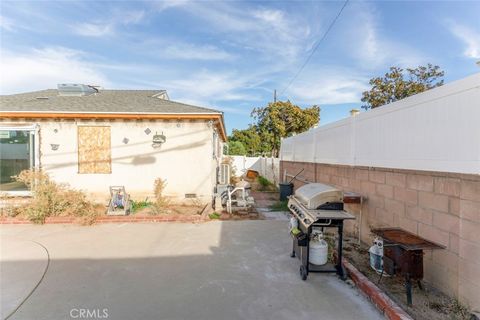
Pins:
x,y
186,160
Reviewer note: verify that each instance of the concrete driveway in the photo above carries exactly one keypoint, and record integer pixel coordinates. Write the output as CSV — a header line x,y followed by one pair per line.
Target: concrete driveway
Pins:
x,y
215,270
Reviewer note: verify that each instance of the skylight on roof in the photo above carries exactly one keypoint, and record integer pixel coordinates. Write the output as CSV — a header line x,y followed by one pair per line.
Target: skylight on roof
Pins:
x,y
75,89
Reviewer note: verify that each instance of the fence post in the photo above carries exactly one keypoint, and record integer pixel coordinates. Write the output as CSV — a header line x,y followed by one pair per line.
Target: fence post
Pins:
x,y
353,140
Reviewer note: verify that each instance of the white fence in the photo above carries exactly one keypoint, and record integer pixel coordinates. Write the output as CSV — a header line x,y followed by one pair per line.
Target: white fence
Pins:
x,y
438,130
267,167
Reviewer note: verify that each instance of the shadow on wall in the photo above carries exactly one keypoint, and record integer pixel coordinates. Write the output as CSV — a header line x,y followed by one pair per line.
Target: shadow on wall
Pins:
x,y
147,142
143,159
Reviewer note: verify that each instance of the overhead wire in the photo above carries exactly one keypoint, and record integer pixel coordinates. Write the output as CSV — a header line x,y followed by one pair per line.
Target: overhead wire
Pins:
x,y
315,47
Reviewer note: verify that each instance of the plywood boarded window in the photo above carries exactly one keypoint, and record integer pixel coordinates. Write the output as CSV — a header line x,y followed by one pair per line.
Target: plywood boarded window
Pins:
x,y
94,151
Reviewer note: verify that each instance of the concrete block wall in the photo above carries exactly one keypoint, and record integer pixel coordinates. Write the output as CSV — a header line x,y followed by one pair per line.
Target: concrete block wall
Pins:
x,y
441,207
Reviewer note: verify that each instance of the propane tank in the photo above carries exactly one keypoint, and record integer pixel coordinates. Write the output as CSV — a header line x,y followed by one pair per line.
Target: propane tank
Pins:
x,y
376,255
293,223
318,252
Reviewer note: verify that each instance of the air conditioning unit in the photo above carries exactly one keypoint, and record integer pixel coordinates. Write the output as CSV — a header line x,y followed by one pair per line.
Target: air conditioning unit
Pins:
x,y
224,174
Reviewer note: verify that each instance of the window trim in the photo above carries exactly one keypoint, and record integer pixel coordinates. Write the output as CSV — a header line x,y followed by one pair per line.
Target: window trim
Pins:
x,y
35,128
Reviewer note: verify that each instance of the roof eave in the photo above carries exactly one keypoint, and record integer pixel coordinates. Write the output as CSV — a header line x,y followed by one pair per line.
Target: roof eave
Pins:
x,y
104,112
116,115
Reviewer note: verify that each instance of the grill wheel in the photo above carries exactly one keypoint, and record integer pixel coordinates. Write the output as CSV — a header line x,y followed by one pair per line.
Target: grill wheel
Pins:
x,y
303,273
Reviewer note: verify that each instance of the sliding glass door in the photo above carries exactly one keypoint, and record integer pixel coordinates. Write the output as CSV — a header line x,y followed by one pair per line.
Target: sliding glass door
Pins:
x,y
16,154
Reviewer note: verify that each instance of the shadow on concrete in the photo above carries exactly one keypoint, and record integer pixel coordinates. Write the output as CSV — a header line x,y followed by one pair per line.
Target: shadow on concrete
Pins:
x,y
217,270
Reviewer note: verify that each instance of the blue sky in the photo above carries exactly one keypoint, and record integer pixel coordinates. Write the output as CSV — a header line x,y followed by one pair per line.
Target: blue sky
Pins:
x,y
231,55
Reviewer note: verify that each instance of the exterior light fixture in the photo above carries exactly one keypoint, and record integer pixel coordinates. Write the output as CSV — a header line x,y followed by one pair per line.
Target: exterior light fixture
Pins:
x,y
54,146
158,140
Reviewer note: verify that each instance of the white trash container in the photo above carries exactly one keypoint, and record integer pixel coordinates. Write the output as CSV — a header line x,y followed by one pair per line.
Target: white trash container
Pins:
x,y
376,255
318,252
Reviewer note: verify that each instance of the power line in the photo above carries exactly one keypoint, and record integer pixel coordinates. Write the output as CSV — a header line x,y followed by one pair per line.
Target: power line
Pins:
x,y
316,47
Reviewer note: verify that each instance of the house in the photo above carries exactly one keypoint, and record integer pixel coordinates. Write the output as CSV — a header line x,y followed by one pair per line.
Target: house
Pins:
x,y
92,139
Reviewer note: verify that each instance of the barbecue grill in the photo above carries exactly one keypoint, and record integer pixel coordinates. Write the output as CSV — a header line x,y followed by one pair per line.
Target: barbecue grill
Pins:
x,y
403,255
318,206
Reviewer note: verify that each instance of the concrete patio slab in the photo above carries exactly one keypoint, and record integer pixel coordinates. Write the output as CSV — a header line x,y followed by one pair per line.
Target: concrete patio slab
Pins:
x,y
17,283
215,270
268,214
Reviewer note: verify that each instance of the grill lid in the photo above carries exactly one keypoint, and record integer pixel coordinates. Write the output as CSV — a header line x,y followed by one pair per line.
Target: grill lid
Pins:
x,y
313,195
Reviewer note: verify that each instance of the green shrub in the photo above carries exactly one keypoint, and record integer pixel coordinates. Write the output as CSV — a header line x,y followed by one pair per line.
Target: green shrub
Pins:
x,y
280,206
265,184
51,199
214,215
142,204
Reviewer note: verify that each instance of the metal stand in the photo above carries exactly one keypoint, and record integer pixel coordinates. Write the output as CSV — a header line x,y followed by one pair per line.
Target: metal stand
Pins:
x,y
236,198
119,203
403,255
408,287
306,267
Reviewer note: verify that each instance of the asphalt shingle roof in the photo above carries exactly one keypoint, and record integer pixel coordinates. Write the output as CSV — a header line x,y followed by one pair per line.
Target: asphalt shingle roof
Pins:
x,y
108,101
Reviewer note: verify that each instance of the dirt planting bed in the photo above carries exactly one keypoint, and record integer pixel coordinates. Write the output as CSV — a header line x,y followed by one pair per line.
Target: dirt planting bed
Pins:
x,y
428,304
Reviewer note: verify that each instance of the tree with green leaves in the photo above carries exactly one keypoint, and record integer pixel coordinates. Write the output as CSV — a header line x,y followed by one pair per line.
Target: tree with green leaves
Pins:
x,y
250,140
283,119
275,121
398,84
236,148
